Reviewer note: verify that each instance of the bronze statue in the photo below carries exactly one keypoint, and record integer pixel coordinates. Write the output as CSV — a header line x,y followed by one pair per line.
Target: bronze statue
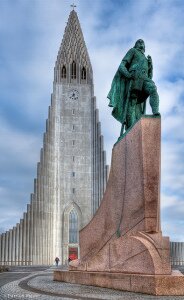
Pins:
x,y
132,85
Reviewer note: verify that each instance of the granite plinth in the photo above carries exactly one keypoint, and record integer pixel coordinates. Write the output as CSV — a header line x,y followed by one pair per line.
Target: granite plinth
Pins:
x,y
125,234
122,247
147,284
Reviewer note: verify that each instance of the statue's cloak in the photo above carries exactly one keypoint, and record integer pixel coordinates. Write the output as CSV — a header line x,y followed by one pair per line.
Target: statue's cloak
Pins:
x,y
118,96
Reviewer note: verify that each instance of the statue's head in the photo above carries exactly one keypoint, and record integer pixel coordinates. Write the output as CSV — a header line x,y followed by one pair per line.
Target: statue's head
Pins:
x,y
140,45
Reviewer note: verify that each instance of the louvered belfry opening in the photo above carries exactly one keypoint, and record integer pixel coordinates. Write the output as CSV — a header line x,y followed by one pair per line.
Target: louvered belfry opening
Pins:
x,y
83,73
63,72
73,70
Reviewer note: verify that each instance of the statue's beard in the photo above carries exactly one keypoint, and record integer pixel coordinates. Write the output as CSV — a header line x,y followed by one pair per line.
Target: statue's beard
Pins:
x,y
142,49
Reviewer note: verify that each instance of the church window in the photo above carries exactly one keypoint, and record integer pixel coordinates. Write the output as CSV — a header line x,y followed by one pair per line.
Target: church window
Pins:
x,y
83,73
63,72
73,70
73,227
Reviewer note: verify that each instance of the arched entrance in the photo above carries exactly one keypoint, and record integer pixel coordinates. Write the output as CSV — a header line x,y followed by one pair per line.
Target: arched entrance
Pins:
x,y
73,235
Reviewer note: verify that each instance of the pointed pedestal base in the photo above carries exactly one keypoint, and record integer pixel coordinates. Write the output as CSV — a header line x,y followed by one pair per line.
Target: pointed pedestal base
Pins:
x,y
147,284
122,247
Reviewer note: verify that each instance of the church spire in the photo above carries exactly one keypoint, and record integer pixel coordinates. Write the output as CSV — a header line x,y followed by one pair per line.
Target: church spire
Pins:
x,y
73,62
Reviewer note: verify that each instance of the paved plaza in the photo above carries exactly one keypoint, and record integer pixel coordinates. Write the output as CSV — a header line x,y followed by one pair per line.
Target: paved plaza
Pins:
x,y
37,283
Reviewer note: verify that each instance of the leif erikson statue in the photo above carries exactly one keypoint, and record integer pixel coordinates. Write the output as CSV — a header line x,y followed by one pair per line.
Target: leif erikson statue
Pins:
x,y
131,86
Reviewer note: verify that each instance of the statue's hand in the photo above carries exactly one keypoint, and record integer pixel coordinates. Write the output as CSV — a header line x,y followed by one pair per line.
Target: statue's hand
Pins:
x,y
128,75
149,59
132,75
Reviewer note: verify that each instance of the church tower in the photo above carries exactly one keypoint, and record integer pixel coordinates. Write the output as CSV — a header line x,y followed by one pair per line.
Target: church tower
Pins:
x,y
72,172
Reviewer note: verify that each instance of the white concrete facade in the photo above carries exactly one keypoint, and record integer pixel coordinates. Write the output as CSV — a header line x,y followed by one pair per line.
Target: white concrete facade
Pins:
x,y
177,253
72,172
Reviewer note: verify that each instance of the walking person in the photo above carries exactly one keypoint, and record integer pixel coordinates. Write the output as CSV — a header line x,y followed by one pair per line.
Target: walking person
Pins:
x,y
57,261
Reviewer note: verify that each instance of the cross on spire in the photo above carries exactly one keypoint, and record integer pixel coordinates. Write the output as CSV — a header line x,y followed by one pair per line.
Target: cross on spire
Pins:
x,y
73,6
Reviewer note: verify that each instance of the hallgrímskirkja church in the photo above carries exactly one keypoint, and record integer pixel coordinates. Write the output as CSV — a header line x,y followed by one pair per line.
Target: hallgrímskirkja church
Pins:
x,y
72,172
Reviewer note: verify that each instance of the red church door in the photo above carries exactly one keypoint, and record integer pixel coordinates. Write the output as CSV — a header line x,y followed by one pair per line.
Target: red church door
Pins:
x,y
73,253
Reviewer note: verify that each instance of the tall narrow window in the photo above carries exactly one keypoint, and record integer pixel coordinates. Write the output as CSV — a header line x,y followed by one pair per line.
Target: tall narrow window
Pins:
x,y
73,227
73,111
73,75
83,73
63,72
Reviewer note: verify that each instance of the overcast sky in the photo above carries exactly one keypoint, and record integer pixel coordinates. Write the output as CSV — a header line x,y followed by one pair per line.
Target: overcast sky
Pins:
x,y
30,35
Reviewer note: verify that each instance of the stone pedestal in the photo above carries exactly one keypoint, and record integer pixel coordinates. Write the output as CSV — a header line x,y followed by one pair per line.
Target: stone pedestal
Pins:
x,y
147,284
123,247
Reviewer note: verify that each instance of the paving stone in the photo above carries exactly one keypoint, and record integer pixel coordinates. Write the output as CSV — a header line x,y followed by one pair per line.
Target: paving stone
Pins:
x,y
41,285
45,283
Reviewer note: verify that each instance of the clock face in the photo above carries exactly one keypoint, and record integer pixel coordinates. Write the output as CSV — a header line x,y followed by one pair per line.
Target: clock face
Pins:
x,y
73,94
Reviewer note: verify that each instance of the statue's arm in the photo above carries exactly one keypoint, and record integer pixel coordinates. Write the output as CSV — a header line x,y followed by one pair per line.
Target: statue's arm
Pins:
x,y
125,63
150,67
